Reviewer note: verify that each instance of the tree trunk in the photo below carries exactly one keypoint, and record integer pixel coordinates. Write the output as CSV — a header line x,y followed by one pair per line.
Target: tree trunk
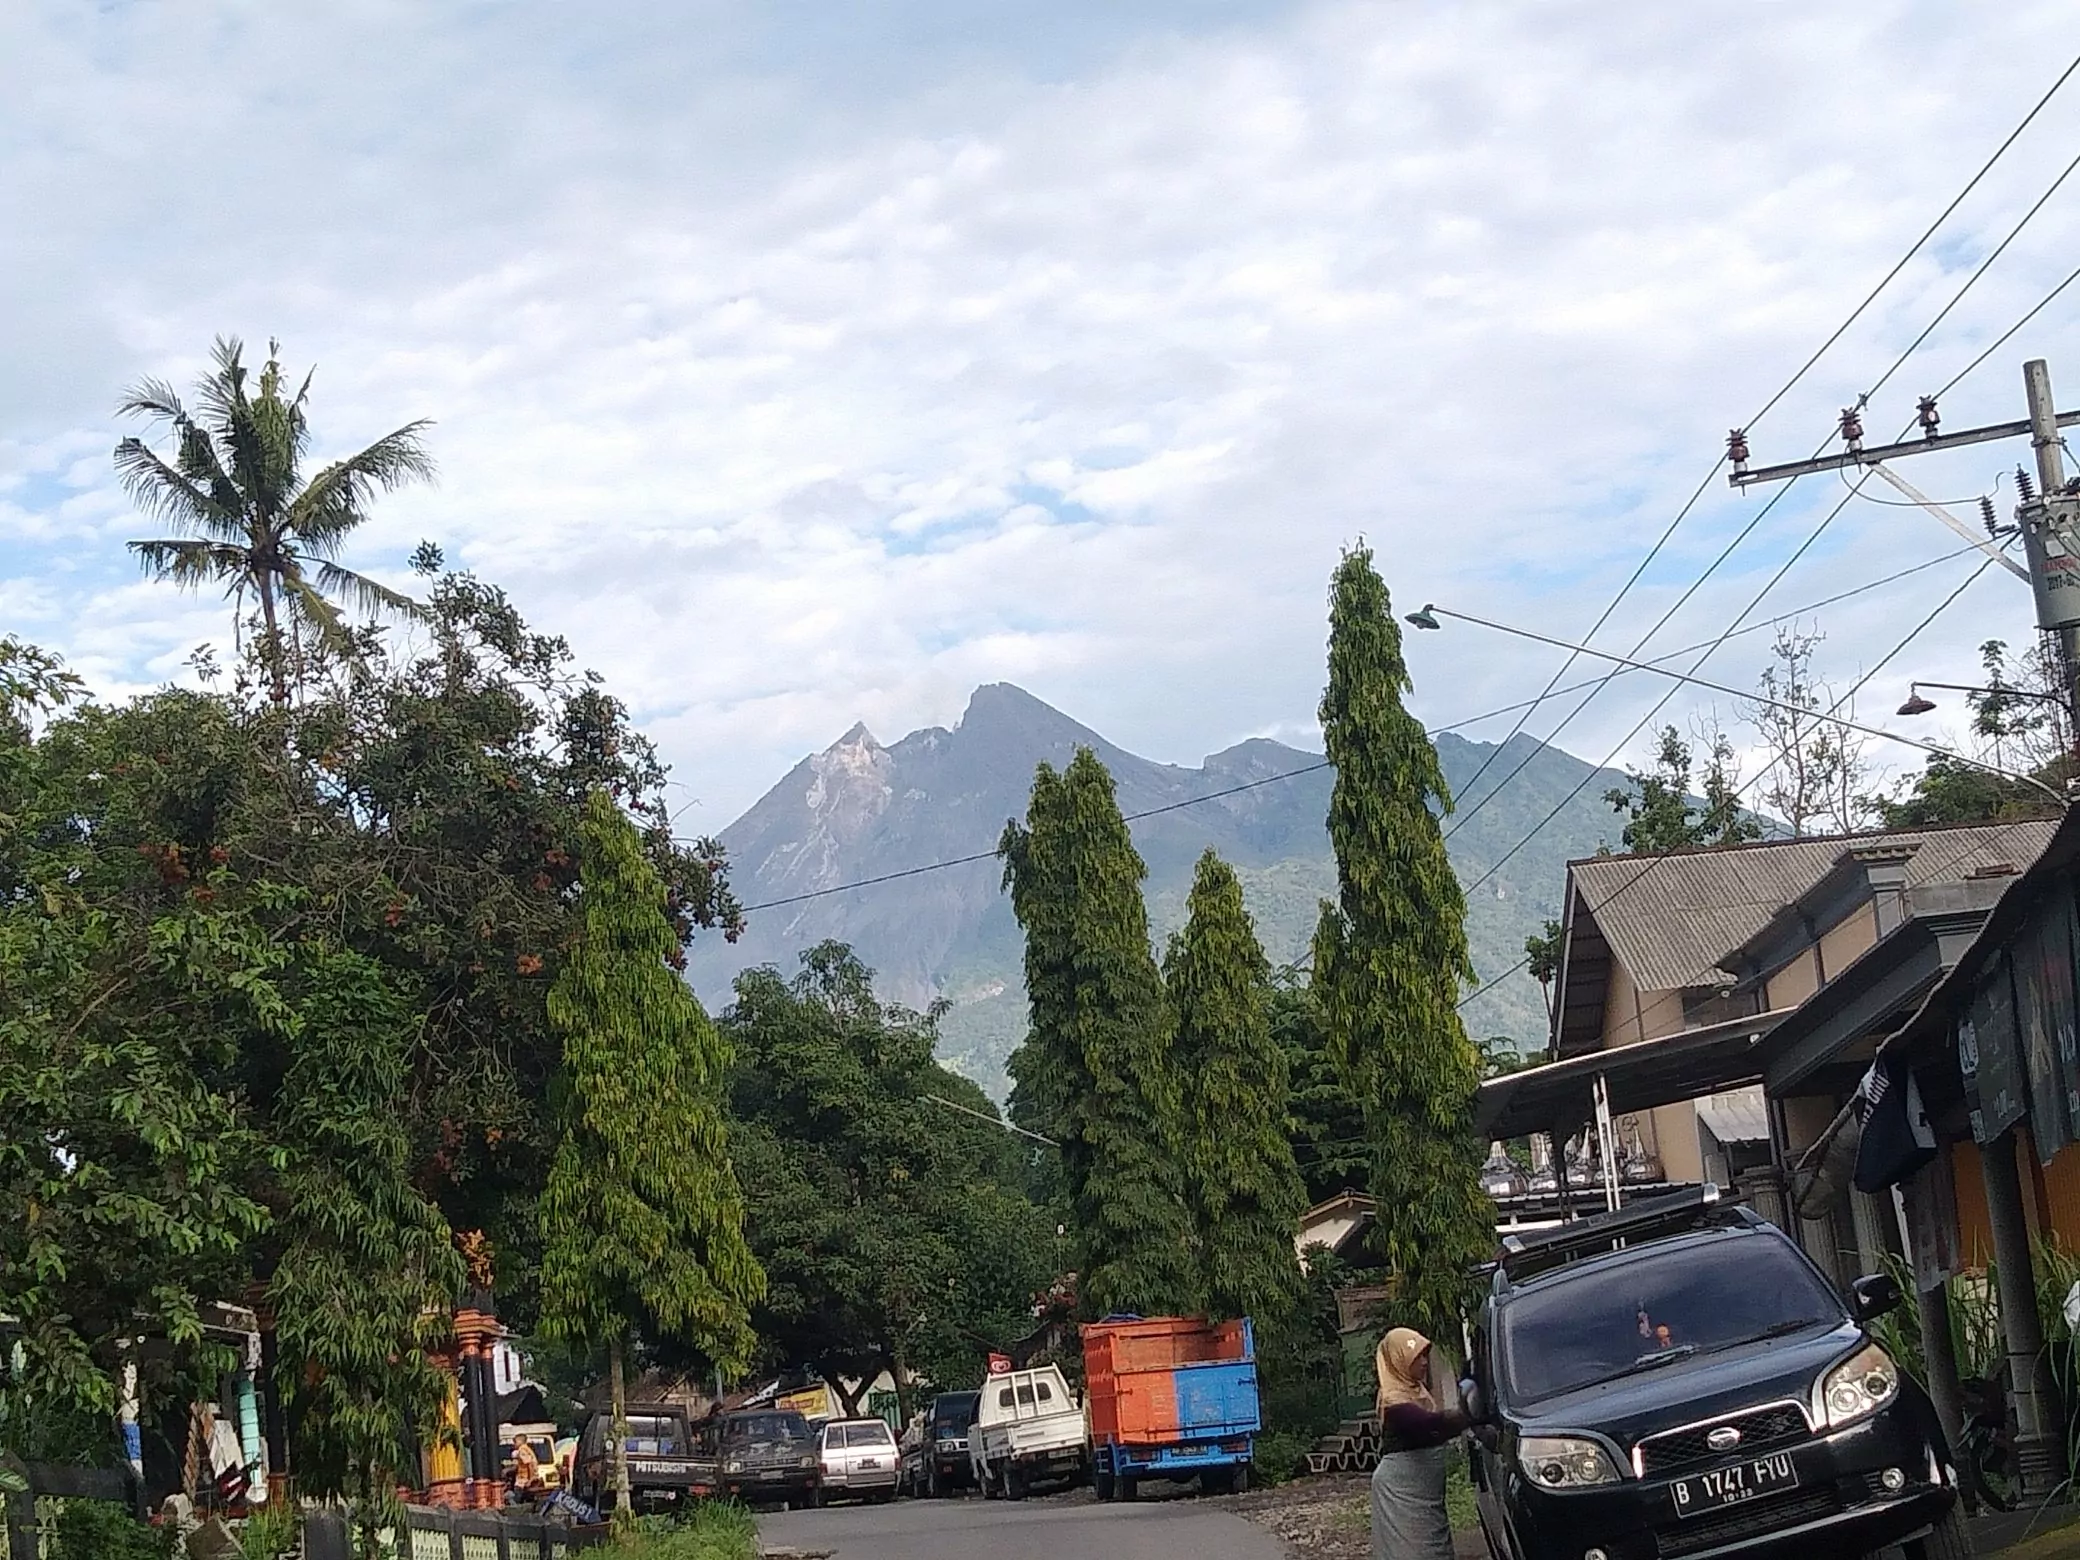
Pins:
x,y
278,684
624,1507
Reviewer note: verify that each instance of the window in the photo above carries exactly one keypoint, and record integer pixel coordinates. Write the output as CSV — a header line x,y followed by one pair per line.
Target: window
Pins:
x,y
1025,1394
1046,1395
1004,1398
868,1432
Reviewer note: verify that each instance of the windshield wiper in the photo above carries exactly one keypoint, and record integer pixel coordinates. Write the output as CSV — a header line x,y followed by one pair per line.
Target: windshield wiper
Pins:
x,y
1646,1362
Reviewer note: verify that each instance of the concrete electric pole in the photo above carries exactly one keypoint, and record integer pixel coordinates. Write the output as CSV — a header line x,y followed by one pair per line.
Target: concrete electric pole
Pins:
x,y
2049,516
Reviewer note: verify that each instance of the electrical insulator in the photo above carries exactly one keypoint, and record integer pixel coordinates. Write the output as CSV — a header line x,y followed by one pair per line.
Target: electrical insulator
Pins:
x,y
1737,448
1986,514
1852,426
2026,485
1926,414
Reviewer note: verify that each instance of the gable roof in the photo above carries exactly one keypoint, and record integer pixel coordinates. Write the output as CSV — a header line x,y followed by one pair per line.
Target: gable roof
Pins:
x,y
1670,919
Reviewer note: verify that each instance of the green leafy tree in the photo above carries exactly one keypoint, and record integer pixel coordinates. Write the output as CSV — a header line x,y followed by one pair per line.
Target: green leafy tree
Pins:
x,y
1096,1068
1390,959
892,1223
233,482
1247,1195
643,1219
1658,806
1949,790
1326,1120
1542,960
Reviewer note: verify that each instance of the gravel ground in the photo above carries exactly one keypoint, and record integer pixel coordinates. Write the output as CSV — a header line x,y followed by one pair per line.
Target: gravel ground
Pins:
x,y
1325,1518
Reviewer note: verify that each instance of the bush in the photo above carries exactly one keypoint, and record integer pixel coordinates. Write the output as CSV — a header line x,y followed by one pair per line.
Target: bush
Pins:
x,y
1279,1455
712,1530
102,1530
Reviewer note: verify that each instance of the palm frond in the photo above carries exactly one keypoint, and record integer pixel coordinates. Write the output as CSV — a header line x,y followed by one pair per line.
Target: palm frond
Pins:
x,y
315,612
173,496
335,500
192,564
152,398
364,594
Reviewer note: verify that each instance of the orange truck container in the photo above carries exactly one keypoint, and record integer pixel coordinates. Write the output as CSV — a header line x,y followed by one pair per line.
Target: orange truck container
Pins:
x,y
1169,1397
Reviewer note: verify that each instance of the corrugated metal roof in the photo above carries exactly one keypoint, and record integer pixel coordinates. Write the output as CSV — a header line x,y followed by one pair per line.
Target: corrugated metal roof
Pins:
x,y
1670,919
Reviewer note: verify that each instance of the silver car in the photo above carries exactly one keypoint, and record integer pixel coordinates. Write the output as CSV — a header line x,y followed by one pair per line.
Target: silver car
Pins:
x,y
859,1459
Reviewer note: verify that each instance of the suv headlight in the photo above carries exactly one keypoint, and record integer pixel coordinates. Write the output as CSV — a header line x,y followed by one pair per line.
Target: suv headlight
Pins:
x,y
1565,1462
734,1465
1860,1385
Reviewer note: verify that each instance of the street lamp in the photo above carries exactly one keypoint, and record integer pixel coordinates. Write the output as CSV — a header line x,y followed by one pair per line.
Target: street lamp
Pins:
x,y
1916,705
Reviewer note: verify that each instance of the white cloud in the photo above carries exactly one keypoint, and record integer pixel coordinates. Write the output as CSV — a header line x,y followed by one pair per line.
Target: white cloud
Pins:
x,y
791,403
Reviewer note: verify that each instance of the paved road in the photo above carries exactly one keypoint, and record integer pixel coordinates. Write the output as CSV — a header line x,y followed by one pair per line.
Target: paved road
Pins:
x,y
1061,1529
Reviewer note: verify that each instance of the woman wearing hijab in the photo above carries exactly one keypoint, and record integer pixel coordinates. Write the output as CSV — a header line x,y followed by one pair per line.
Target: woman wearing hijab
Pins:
x,y
1408,1515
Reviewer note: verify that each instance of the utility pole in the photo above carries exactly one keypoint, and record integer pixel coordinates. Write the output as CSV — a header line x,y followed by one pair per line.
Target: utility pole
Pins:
x,y
2051,529
2049,517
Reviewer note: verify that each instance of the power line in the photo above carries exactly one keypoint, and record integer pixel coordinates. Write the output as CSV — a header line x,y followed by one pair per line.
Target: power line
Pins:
x,y
1769,405
1745,786
990,855
1969,283
1752,628
2002,339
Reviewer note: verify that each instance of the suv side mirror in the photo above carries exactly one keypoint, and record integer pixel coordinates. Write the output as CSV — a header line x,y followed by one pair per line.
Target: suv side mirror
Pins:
x,y
1873,1295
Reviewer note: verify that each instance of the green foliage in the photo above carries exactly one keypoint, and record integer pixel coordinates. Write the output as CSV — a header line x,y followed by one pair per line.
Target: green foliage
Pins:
x,y
271,1532
1245,1187
643,1219
1948,790
103,1530
1326,1120
893,1229
711,1530
1659,809
1096,1068
234,486
1390,958
364,1282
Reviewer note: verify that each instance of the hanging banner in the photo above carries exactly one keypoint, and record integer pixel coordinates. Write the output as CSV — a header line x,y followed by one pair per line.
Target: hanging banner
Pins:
x,y
2044,1017
1928,1205
1989,1056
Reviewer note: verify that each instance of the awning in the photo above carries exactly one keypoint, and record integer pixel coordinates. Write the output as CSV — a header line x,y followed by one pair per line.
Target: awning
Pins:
x,y
1639,1076
1738,1116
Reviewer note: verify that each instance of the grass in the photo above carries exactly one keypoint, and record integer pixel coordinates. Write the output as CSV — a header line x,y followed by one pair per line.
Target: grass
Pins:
x,y
1458,1493
712,1530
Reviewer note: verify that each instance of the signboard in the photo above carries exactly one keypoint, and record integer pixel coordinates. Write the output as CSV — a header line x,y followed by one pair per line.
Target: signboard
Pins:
x,y
2043,956
1989,1056
810,1402
2051,533
1000,1364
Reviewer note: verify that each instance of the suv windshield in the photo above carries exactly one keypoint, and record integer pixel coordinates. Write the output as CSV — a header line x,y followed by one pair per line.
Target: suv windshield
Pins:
x,y
953,1413
766,1428
1660,1306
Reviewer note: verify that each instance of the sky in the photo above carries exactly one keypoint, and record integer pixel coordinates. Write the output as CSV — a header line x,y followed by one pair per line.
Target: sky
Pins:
x,y
810,363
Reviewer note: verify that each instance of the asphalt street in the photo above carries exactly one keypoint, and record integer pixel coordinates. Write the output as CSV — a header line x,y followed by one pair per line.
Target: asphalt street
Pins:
x,y
975,1529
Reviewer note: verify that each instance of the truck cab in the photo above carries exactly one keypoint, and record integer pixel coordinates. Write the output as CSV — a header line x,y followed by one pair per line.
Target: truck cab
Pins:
x,y
1029,1429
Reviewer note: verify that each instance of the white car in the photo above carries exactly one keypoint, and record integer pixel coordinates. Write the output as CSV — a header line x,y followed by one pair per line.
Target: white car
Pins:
x,y
859,1460
1029,1429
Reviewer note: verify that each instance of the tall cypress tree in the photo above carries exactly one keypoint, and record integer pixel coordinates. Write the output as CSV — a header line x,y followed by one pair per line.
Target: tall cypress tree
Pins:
x,y
1390,957
1247,1196
642,1216
1096,1067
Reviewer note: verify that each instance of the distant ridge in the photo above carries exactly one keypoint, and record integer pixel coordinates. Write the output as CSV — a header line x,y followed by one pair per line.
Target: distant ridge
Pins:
x,y
859,809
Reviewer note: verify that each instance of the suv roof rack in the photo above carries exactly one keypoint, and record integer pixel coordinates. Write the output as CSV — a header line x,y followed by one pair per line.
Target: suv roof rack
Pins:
x,y
1524,1256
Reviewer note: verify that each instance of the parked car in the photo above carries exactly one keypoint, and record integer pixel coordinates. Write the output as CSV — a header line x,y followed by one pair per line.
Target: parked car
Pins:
x,y
1698,1389
1170,1397
858,1457
666,1466
1029,1429
935,1458
766,1454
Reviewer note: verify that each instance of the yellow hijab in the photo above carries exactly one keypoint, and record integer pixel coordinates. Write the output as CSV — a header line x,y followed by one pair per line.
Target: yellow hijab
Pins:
x,y
1401,1362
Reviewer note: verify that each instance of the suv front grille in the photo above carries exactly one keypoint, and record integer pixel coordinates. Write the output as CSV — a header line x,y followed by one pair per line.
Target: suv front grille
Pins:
x,y
1751,1520
1762,1430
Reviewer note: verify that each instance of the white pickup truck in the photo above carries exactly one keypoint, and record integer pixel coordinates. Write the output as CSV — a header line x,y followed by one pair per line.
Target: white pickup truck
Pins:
x,y
1029,1429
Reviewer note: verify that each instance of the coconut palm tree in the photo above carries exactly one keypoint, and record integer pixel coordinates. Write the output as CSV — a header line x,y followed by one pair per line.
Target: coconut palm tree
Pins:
x,y
233,482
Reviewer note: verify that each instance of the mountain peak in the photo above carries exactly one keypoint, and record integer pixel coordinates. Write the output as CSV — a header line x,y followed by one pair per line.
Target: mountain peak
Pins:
x,y
857,737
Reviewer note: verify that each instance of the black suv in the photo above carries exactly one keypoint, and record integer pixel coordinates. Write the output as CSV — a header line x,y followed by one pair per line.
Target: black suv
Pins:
x,y
1698,1390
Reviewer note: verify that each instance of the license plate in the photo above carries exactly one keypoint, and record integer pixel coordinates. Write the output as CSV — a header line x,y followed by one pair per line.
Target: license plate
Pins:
x,y
1724,1487
870,1462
